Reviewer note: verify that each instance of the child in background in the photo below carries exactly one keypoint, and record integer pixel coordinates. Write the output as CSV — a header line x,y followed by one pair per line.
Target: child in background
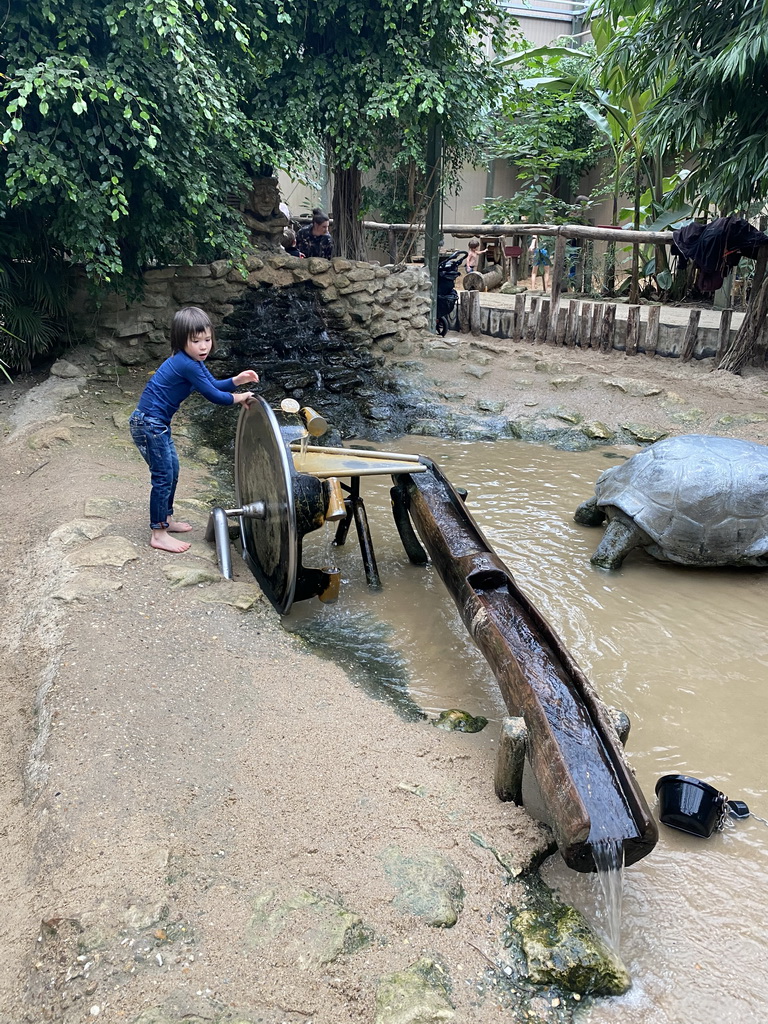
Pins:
x,y
473,257
289,243
192,341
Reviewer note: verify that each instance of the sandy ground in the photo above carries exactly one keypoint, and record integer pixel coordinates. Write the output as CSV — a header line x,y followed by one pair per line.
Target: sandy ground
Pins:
x,y
172,765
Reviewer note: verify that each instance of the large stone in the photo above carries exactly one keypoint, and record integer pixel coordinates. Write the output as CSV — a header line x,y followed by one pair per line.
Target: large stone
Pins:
x,y
77,531
219,268
84,588
131,354
418,995
309,927
104,551
181,575
427,885
196,270
63,368
242,596
559,947
643,432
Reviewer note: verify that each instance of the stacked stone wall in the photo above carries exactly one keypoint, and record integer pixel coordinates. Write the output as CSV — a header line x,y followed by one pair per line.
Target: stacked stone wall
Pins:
x,y
379,308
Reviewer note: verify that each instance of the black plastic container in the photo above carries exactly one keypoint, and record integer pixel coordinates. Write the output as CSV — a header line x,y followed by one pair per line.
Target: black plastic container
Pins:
x,y
690,805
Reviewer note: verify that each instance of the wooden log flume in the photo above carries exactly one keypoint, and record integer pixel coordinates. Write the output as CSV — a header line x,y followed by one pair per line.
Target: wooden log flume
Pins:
x,y
589,794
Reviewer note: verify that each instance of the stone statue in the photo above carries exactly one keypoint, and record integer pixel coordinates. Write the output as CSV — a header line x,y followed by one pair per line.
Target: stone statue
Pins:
x,y
262,214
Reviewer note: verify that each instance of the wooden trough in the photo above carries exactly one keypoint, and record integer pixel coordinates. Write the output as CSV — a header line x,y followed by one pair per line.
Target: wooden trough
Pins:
x,y
287,488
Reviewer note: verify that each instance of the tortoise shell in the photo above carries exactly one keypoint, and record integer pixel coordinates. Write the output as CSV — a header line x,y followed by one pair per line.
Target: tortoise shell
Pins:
x,y
703,500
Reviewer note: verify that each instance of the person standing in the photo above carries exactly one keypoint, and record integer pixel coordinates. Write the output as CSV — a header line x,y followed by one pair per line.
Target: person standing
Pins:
x,y
315,239
192,341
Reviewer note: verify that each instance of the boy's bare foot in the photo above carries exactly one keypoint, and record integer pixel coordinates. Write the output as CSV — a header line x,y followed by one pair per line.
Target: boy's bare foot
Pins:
x,y
163,541
174,527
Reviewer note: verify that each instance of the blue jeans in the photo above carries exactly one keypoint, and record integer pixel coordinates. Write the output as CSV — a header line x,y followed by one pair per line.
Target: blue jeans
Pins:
x,y
153,439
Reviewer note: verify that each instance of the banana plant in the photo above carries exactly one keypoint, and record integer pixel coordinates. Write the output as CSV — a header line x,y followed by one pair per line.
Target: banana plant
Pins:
x,y
616,111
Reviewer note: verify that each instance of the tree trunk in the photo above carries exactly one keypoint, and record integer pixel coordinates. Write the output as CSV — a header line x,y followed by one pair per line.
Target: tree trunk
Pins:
x,y
348,232
744,345
474,281
741,350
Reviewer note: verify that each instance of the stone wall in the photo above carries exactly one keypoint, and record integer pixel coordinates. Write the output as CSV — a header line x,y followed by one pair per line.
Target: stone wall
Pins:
x,y
379,308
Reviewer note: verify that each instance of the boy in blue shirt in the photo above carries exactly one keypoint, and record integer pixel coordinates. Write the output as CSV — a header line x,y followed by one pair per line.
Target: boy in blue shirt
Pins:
x,y
192,341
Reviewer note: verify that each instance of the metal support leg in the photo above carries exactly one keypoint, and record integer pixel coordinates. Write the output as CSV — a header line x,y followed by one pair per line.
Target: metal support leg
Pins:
x,y
366,544
218,530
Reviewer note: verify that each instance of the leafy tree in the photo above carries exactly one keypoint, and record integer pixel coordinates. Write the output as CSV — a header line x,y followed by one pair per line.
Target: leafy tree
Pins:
x,y
378,73
713,62
546,135
126,124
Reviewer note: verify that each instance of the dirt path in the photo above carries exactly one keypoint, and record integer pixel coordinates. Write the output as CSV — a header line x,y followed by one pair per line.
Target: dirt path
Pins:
x,y
188,794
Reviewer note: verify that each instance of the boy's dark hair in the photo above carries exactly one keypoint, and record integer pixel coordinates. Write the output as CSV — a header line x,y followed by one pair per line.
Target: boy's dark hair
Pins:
x,y
188,322
289,237
319,217
474,244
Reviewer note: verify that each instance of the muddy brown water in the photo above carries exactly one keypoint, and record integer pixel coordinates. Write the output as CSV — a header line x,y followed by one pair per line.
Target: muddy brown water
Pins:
x,y
682,651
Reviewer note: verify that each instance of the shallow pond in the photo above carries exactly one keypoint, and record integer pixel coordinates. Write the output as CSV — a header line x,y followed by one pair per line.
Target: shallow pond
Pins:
x,y
682,651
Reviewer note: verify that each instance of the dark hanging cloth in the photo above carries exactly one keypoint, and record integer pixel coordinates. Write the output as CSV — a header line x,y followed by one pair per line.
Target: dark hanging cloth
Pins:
x,y
717,247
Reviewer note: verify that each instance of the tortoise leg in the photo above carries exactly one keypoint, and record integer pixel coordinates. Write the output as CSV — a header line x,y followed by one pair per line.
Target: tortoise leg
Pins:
x,y
621,535
589,514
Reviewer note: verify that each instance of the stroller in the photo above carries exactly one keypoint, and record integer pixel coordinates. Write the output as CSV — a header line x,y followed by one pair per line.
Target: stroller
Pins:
x,y
448,269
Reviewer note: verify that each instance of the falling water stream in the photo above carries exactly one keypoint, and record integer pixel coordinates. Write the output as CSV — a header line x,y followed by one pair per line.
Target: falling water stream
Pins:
x,y
683,652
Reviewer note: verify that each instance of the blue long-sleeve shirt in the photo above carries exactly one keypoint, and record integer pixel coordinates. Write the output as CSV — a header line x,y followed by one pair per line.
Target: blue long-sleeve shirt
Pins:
x,y
176,379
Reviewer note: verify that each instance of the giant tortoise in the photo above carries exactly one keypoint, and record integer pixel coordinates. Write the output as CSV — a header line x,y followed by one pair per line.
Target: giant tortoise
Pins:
x,y
695,500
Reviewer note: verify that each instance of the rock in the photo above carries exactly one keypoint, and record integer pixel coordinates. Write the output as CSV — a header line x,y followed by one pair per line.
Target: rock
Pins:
x,y
487,405
58,433
180,575
565,415
687,416
120,417
242,596
427,885
208,456
644,433
459,721
43,401
418,995
571,381
425,428
106,551
63,368
630,386
439,350
309,927
77,531
84,587
559,947
597,431
477,371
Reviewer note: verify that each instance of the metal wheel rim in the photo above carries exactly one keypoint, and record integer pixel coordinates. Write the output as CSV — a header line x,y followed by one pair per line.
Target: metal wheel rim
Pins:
x,y
279,504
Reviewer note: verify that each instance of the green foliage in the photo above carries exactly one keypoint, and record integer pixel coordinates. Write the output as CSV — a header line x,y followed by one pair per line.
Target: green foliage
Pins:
x,y
712,63
544,133
125,125
32,310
